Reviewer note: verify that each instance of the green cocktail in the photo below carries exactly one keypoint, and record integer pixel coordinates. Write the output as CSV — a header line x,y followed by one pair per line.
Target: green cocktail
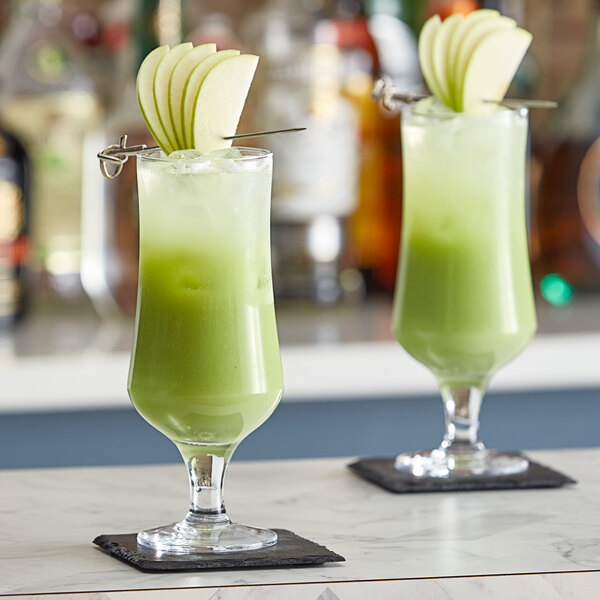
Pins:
x,y
464,301
205,367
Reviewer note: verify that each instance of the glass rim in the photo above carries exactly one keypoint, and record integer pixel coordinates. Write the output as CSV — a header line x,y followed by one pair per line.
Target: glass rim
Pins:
x,y
442,115
249,153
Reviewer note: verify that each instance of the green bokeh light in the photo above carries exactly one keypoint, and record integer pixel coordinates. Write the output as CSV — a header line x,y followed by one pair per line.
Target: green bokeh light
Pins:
x,y
556,290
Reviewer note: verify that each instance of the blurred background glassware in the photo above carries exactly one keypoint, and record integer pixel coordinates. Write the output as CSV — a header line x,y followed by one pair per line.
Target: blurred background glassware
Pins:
x,y
99,44
315,179
50,100
110,220
566,207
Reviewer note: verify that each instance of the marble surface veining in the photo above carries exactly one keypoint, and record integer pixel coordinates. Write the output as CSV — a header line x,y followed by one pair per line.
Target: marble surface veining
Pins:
x,y
553,586
48,519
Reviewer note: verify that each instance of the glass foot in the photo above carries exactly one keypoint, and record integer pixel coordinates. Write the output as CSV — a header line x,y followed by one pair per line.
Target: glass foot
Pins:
x,y
468,463
183,538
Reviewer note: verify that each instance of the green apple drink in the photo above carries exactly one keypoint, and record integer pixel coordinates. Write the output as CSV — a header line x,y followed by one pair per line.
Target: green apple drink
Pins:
x,y
464,299
205,366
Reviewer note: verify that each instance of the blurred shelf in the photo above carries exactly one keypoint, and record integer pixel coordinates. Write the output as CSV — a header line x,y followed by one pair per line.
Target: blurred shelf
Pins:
x,y
69,359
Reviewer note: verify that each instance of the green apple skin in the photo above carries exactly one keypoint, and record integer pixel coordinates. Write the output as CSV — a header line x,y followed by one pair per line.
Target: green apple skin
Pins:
x,y
179,75
145,94
425,50
492,67
439,52
161,88
191,89
220,101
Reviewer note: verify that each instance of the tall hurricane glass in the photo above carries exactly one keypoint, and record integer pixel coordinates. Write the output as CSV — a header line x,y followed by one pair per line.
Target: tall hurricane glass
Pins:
x,y
464,300
205,366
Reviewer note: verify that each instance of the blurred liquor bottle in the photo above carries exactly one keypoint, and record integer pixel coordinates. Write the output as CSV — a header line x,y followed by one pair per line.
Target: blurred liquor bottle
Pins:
x,y
446,8
14,229
49,101
315,179
109,266
377,221
566,208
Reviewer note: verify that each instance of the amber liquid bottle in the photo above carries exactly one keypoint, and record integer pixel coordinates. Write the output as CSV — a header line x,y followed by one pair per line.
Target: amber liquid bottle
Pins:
x,y
566,208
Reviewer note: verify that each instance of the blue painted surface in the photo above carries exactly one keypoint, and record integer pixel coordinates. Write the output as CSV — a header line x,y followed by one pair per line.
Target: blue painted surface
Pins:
x,y
381,426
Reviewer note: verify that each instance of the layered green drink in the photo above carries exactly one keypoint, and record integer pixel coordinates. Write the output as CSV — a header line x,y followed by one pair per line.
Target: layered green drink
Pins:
x,y
464,300
205,367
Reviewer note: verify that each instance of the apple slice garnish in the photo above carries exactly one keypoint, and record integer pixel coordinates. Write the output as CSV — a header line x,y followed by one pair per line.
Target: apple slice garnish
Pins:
x,y
455,41
220,101
179,75
491,68
477,33
145,94
161,88
438,56
192,87
425,49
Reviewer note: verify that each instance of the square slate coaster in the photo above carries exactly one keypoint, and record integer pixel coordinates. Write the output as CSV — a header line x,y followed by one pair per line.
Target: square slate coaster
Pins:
x,y
381,472
291,550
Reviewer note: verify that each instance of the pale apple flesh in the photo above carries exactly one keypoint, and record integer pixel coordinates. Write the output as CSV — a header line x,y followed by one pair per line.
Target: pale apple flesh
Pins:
x,y
467,22
191,89
145,94
468,61
161,88
425,47
220,101
474,36
177,81
440,49
492,68
192,98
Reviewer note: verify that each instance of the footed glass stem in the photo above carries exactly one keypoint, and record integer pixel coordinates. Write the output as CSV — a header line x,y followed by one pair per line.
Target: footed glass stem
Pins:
x,y
206,527
461,453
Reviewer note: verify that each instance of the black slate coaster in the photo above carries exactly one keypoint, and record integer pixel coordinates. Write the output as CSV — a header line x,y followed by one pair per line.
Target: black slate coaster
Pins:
x,y
381,471
291,550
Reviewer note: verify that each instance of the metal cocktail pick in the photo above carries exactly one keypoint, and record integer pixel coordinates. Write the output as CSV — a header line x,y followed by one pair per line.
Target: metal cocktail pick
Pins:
x,y
118,154
385,92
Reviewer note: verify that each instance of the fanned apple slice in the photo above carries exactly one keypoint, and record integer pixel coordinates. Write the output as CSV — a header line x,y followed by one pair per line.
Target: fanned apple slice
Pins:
x,y
480,30
455,41
492,66
145,94
438,57
426,39
179,75
220,102
191,88
161,88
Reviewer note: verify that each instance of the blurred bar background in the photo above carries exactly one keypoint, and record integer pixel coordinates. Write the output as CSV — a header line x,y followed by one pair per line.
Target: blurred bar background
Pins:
x,y
68,237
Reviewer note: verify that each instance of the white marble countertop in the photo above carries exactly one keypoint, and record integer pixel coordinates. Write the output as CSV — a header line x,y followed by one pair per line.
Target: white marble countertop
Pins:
x,y
451,545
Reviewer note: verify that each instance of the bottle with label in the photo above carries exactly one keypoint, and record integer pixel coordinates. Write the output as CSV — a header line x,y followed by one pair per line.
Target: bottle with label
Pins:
x,y
14,229
566,207
49,101
315,177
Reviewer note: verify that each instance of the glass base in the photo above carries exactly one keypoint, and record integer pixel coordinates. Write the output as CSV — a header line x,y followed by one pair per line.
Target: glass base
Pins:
x,y
183,538
464,462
